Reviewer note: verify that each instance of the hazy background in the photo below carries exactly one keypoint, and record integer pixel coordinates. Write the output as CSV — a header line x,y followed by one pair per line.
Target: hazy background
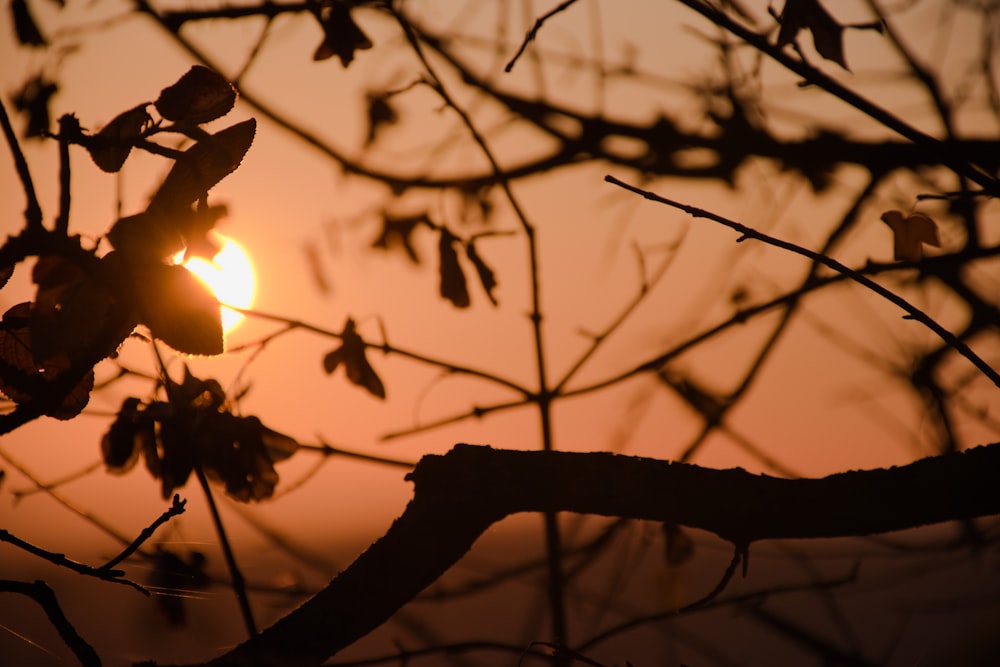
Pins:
x,y
818,406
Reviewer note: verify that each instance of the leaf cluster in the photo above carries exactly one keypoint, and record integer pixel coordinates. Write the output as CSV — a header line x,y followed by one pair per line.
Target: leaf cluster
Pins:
x,y
195,429
85,305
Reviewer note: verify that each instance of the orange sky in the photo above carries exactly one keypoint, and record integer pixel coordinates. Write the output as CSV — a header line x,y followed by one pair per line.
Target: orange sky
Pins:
x,y
816,408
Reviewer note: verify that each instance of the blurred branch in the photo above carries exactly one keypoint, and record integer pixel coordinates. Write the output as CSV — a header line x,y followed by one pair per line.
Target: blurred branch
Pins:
x,y
32,211
457,496
530,37
746,232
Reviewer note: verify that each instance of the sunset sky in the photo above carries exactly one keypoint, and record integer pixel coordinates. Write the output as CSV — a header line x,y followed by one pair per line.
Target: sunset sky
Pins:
x,y
831,398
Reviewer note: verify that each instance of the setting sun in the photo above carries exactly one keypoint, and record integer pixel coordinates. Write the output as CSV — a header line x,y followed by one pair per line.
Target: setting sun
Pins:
x,y
230,276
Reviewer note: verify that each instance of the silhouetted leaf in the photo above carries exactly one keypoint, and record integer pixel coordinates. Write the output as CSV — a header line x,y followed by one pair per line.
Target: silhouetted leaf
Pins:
x,y
380,114
315,264
486,276
351,354
453,285
398,232
909,233
25,27
118,445
200,96
827,32
110,147
197,430
203,165
33,98
5,275
155,234
235,454
149,234
341,35
70,310
178,308
23,378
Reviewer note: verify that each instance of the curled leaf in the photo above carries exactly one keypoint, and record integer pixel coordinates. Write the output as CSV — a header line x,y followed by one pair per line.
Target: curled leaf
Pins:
x,y
351,354
23,378
380,114
200,96
453,285
196,429
486,276
203,165
398,232
110,147
341,35
827,32
118,446
909,233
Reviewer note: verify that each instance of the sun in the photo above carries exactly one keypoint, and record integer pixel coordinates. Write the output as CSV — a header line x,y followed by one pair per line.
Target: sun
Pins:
x,y
229,275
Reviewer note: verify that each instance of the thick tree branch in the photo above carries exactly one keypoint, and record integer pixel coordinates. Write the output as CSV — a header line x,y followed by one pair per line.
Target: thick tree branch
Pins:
x,y
459,495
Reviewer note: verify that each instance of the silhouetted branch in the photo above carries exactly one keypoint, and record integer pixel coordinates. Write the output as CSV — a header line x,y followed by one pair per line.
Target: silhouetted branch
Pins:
x,y
747,232
530,37
176,508
43,595
459,495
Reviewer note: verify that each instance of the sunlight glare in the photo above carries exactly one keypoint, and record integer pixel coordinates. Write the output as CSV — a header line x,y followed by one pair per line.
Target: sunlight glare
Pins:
x,y
229,275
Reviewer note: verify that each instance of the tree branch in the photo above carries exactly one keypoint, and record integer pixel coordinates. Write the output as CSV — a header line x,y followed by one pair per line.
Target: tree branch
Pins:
x,y
457,496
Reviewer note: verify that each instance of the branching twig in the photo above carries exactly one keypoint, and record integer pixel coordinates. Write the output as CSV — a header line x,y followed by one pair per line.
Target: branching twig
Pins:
x,y
176,508
912,312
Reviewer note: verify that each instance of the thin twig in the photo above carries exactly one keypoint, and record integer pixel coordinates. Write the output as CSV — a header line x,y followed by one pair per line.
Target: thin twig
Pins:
x,y
912,312
175,509
530,37
235,575
103,573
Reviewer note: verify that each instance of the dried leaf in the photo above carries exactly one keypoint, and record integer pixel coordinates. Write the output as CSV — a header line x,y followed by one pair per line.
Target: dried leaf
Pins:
x,y
909,233
486,276
827,33
178,308
398,232
5,275
380,114
203,165
149,235
200,96
351,354
110,147
341,35
23,378
70,311
453,285
118,445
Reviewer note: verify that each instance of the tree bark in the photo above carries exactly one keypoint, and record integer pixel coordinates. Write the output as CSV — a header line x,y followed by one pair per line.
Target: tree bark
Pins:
x,y
457,496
